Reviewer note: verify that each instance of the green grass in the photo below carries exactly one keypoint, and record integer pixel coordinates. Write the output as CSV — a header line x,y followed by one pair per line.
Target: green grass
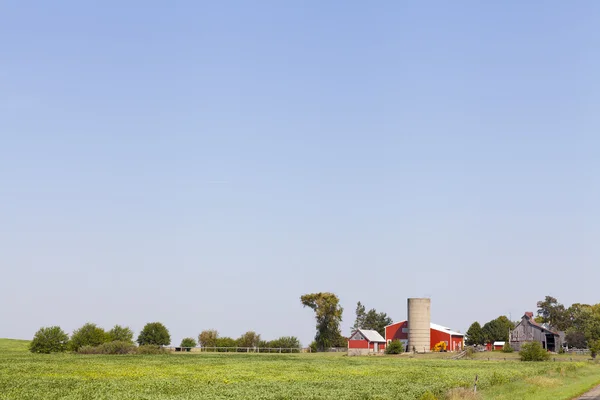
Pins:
x,y
257,376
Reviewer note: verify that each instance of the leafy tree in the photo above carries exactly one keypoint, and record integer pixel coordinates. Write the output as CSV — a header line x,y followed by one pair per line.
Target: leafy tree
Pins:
x,y
154,334
48,340
497,329
394,347
328,314
340,341
88,335
208,338
120,333
576,339
475,334
188,342
533,351
249,339
553,313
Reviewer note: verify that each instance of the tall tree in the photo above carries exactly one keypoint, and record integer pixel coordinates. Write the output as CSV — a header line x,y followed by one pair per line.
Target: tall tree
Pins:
x,y
328,314
553,313
371,320
361,314
475,334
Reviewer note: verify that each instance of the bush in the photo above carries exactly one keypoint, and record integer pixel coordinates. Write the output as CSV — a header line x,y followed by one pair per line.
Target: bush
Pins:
x,y
114,347
88,335
48,340
507,348
313,347
154,333
118,347
285,343
89,350
394,347
533,351
188,342
151,349
120,333
470,352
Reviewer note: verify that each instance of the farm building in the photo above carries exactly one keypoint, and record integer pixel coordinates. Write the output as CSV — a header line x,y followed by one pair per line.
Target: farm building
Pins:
x,y
530,331
438,333
364,341
494,346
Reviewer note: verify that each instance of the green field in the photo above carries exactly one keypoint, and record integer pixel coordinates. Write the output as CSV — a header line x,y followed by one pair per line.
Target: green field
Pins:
x,y
292,376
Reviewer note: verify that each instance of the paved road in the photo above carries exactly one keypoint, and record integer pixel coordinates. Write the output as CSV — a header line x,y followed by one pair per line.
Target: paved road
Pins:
x,y
594,394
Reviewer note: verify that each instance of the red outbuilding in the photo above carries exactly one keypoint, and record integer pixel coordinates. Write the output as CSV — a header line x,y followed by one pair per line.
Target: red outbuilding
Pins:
x,y
438,333
368,340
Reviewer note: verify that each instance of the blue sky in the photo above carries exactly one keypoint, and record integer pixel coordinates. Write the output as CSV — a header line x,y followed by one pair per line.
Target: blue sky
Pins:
x,y
204,164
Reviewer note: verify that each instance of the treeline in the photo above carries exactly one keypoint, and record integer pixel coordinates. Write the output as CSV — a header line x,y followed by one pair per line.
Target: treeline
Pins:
x,y
92,339
580,322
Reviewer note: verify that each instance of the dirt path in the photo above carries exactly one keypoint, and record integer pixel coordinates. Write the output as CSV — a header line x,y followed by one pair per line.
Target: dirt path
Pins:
x,y
593,394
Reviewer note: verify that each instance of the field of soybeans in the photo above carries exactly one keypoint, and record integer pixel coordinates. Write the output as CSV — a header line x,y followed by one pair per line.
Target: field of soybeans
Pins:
x,y
278,376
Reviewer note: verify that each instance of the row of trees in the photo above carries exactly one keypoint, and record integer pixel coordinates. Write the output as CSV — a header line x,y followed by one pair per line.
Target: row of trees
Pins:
x,y
53,339
580,322
211,338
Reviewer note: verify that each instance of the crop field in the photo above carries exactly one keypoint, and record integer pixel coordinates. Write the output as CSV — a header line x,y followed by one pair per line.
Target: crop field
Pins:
x,y
278,376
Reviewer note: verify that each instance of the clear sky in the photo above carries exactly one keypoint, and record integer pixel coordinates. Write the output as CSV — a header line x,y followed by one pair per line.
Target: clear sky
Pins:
x,y
204,164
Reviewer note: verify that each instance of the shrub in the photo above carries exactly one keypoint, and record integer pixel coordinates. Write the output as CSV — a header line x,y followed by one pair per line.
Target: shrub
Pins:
x,y
88,335
118,347
114,347
48,340
507,348
286,343
151,349
469,352
89,350
120,333
188,342
313,347
533,351
154,333
394,347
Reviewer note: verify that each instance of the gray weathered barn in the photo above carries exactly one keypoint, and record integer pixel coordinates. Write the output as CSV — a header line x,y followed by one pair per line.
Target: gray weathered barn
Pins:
x,y
530,331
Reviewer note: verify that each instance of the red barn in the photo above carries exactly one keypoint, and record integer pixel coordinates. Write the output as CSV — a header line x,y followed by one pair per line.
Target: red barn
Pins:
x,y
367,341
399,331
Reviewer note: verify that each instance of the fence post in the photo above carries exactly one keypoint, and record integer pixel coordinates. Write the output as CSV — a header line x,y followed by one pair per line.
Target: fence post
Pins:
x,y
475,388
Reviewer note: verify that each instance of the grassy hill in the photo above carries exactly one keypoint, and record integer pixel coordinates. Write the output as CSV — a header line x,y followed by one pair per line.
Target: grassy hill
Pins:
x,y
13,345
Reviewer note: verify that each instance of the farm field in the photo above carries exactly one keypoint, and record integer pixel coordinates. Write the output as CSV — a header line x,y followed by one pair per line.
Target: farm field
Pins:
x,y
286,376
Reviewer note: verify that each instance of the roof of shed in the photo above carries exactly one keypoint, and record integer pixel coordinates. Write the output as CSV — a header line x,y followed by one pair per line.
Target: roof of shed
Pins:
x,y
372,336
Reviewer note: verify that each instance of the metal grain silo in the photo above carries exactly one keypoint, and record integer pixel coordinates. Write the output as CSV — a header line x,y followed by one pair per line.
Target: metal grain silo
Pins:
x,y
419,320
